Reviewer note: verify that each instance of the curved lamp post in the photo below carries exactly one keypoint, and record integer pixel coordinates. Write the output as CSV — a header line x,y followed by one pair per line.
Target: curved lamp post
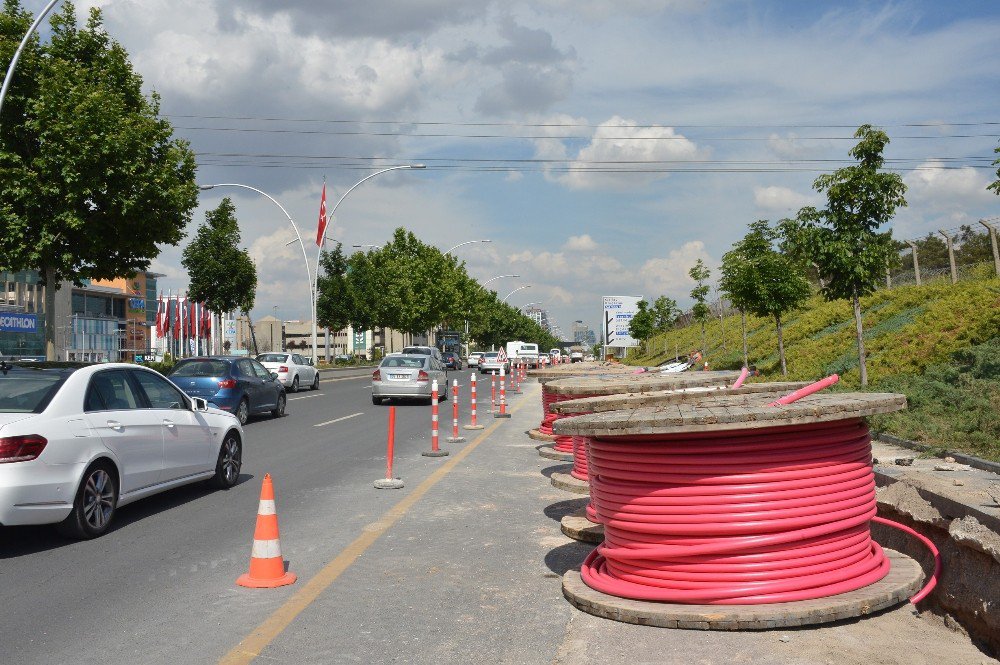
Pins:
x,y
319,250
298,237
17,54
520,288
463,244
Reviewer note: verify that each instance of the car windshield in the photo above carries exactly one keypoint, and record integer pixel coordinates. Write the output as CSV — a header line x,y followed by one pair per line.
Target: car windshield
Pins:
x,y
403,361
27,392
490,356
201,368
272,358
417,349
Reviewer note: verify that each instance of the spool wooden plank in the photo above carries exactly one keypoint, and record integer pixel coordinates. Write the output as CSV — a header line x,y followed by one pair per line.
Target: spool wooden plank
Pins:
x,y
903,580
716,416
607,384
746,394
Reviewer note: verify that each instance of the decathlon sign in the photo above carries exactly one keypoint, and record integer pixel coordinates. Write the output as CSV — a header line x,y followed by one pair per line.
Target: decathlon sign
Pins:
x,y
618,313
22,323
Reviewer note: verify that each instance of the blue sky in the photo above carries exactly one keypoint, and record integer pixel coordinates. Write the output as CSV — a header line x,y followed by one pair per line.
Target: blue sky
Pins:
x,y
720,113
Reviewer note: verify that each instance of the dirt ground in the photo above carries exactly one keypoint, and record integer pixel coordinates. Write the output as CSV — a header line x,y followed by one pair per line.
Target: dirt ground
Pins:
x,y
894,637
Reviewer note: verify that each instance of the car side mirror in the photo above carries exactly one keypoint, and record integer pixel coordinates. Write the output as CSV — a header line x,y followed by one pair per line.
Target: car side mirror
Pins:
x,y
274,376
199,404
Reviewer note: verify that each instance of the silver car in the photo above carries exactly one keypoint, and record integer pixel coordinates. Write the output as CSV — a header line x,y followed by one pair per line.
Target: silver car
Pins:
x,y
408,375
294,371
489,364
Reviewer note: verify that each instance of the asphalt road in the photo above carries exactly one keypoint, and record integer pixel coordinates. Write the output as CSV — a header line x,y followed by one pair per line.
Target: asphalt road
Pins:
x,y
160,586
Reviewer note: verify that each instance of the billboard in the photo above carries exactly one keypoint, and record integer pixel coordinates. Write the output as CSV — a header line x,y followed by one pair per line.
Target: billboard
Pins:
x,y
618,313
21,323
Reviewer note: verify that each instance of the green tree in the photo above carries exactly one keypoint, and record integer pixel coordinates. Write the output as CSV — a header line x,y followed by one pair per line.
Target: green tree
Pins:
x,y
222,275
700,311
642,325
665,313
93,180
335,297
845,243
762,280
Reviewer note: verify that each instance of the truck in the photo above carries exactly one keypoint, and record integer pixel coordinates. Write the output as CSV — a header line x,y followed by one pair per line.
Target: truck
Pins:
x,y
576,354
525,352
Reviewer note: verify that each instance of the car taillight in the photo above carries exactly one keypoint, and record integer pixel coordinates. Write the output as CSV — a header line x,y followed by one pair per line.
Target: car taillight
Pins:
x,y
282,369
376,375
423,376
21,448
227,383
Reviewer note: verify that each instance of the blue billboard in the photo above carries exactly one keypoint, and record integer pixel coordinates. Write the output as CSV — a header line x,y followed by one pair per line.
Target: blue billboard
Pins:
x,y
20,323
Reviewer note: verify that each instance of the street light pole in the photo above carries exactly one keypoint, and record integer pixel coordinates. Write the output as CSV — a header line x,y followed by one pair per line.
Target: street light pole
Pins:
x,y
298,236
520,288
9,77
319,249
463,244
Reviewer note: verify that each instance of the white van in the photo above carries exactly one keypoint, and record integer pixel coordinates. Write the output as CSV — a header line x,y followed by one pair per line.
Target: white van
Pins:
x,y
524,352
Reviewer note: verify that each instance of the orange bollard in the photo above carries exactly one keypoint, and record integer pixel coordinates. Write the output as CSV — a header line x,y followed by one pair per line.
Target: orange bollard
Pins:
x,y
503,397
455,436
493,392
390,483
267,568
472,423
434,451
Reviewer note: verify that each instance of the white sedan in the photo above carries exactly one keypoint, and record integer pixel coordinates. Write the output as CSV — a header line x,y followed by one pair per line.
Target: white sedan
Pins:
x,y
293,370
79,441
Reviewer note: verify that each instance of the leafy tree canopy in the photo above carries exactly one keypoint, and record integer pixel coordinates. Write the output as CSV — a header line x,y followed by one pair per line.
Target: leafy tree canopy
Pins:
x,y
642,325
222,275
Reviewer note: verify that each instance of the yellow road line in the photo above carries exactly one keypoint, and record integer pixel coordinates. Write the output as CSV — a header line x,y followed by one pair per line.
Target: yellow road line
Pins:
x,y
265,633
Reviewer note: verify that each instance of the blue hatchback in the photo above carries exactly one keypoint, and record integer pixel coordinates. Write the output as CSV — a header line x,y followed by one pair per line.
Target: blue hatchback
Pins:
x,y
236,384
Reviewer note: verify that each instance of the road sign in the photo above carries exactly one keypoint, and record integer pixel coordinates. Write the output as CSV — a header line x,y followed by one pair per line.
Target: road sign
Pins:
x,y
618,313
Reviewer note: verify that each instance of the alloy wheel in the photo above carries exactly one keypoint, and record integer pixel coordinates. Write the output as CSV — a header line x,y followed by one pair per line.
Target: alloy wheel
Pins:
x,y
98,499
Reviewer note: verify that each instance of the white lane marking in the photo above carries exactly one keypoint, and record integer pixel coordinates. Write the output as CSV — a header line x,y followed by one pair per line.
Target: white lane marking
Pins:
x,y
337,420
292,399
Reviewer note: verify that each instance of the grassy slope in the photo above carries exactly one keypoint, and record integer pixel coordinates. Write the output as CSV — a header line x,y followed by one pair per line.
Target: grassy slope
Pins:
x,y
918,339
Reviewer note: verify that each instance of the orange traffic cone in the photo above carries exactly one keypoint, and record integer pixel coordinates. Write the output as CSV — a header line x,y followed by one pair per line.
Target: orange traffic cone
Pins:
x,y
267,568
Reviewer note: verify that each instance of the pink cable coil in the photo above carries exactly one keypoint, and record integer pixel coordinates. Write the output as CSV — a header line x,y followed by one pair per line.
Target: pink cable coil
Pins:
x,y
745,517
579,458
546,426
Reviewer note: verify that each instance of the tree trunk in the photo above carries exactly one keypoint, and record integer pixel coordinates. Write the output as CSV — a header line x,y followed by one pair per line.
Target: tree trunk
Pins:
x,y
856,302
50,312
743,321
781,344
703,354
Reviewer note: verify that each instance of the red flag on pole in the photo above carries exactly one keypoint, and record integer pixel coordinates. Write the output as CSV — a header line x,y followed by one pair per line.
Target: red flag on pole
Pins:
x,y
159,316
206,322
321,229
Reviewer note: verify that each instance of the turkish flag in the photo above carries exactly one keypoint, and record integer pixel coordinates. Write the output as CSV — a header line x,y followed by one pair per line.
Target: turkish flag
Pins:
x,y
321,229
178,308
160,327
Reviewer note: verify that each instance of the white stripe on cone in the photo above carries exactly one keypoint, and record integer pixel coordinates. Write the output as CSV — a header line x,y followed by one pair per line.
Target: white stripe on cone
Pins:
x,y
266,507
266,549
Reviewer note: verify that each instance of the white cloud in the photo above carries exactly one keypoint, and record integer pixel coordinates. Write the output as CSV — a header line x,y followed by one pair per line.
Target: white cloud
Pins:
x,y
618,154
669,275
582,243
931,183
782,199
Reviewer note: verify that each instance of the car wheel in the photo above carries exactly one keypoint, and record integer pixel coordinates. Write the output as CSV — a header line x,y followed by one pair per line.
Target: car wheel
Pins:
x,y
279,410
295,384
376,400
443,395
243,411
94,505
315,383
227,468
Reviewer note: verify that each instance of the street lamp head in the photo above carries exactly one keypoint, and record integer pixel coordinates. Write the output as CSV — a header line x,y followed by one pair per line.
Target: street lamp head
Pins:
x,y
417,166
206,187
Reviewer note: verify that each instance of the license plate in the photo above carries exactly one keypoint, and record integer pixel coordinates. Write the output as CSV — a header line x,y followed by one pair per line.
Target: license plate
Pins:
x,y
399,377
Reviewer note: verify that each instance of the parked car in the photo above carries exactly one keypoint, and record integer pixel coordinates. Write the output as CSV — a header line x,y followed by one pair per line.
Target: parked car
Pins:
x,y
292,369
241,386
489,364
451,360
408,375
79,441
589,358
576,356
474,358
